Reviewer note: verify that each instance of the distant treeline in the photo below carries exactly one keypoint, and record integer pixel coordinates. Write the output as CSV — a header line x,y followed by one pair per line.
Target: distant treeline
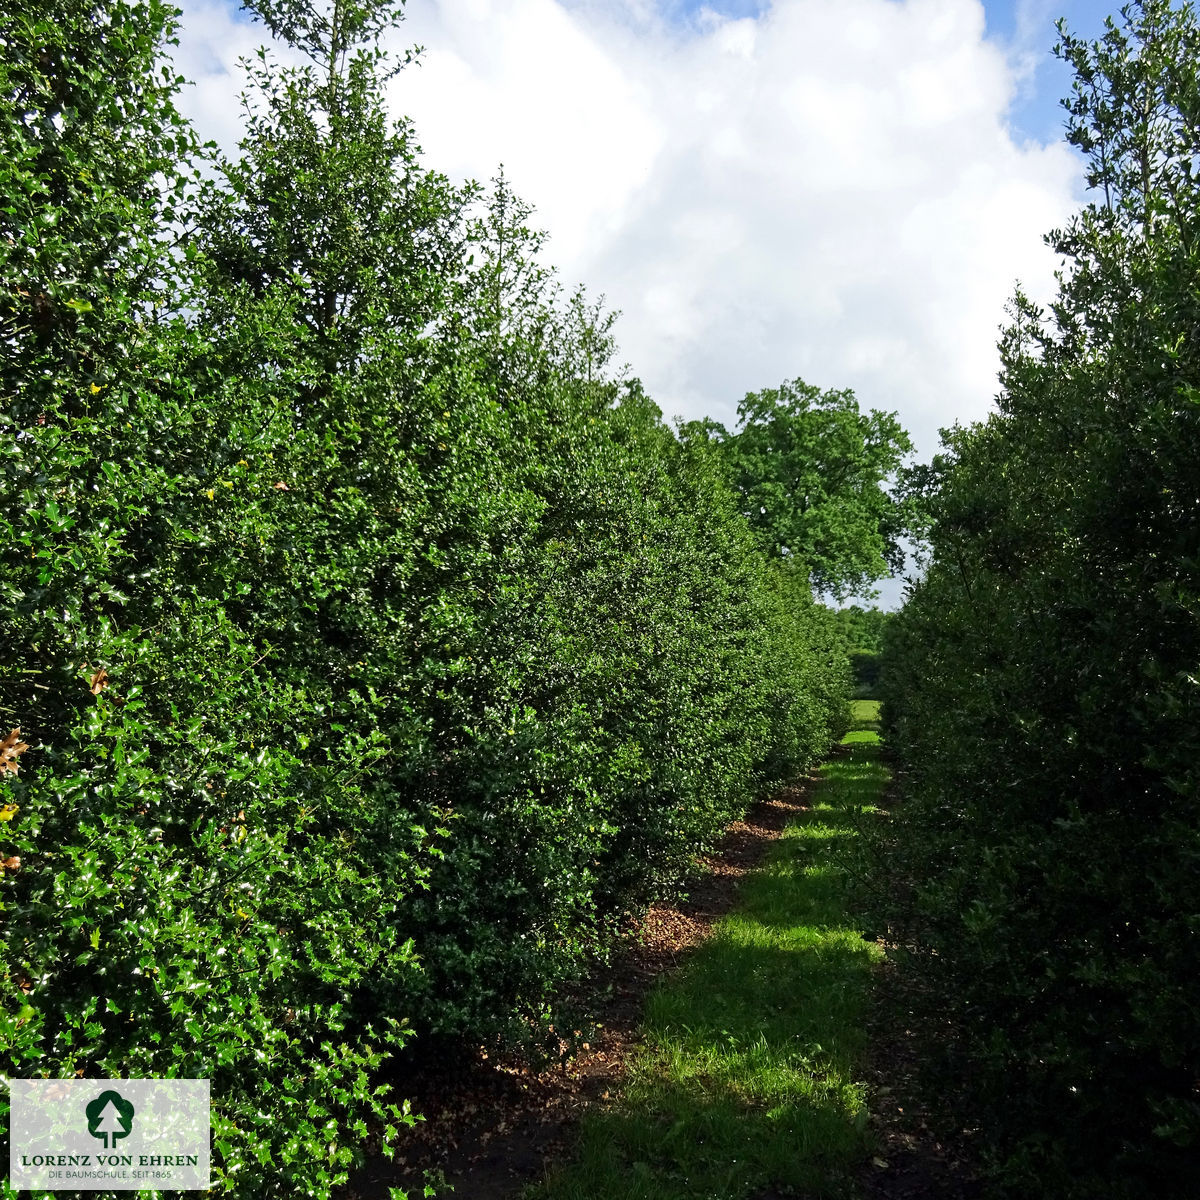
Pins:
x,y
860,632
1042,684
371,647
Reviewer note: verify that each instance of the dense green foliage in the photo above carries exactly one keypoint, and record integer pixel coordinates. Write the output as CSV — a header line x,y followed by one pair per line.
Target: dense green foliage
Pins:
x,y
860,633
860,628
810,470
1041,684
374,647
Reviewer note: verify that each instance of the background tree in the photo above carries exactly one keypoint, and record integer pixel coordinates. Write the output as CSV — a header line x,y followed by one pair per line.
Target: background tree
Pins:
x,y
811,470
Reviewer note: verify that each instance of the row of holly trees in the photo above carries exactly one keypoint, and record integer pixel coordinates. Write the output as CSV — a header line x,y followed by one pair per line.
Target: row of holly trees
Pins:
x,y
1042,684
371,647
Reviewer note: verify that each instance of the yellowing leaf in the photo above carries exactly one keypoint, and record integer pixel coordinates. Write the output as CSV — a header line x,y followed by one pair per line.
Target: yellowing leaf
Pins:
x,y
8,812
209,493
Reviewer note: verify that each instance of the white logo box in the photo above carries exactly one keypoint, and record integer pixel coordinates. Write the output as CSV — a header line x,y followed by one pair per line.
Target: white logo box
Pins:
x,y
122,1135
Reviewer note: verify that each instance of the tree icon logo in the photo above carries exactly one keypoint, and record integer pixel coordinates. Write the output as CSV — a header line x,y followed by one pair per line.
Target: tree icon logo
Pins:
x,y
109,1116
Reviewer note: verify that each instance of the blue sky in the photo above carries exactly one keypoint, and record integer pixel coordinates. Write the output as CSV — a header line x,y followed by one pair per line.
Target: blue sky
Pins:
x,y
1030,25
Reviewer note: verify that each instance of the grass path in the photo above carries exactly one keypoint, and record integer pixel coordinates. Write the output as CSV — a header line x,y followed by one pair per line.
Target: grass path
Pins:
x,y
747,1084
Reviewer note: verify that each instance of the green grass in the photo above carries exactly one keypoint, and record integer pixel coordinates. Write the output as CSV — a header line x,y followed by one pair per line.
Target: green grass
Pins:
x,y
747,1077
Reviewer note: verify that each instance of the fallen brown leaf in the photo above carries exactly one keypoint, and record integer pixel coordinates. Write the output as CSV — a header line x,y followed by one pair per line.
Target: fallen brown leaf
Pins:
x,y
11,748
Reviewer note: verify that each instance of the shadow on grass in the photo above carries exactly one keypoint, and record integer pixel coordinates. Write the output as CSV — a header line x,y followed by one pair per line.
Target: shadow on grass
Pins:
x,y
748,1077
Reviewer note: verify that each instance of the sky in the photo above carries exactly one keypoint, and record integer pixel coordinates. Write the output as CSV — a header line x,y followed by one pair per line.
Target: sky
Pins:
x,y
842,191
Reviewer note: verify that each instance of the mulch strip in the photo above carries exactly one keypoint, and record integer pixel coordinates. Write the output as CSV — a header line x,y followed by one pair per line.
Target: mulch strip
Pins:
x,y
917,1156
913,1159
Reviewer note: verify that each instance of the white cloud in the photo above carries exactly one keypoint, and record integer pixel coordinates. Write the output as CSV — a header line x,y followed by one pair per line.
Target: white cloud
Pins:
x,y
211,41
526,83
829,190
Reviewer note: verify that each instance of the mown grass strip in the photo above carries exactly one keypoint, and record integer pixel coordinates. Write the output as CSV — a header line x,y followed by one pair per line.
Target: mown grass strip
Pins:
x,y
747,1079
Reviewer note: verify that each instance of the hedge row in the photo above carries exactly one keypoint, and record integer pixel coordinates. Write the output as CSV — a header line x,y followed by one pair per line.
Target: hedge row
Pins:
x,y
372,647
1041,683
